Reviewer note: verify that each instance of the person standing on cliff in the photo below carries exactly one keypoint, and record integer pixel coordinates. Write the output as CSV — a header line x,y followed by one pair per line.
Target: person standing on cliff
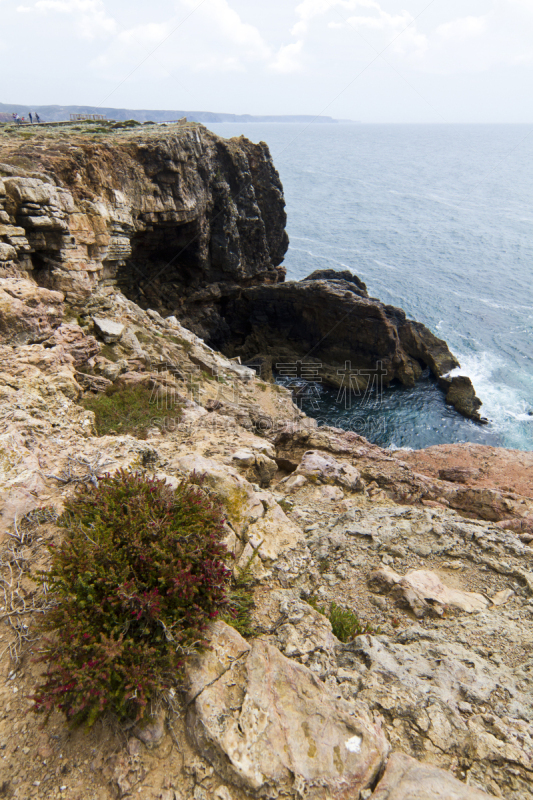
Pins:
x,y
37,117
31,118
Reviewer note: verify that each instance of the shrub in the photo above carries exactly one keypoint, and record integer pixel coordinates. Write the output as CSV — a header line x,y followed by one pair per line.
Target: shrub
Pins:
x,y
136,579
123,409
344,623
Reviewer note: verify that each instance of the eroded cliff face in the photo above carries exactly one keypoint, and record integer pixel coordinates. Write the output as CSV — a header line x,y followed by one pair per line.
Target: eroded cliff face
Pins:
x,y
193,225
164,215
431,550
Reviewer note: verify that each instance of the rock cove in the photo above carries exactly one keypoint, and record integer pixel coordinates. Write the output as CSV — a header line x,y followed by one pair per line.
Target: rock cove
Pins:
x,y
194,226
432,696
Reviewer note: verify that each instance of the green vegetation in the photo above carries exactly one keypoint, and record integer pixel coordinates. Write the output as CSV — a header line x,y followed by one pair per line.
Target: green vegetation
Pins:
x,y
241,600
286,505
139,574
187,346
128,123
109,352
345,624
123,409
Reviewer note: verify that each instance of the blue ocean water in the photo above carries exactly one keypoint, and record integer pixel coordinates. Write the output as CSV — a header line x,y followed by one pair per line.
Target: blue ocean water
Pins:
x,y
437,220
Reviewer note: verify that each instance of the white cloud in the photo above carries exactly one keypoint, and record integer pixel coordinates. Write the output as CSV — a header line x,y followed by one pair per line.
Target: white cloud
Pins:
x,y
206,37
377,19
369,19
463,28
91,17
231,28
502,36
288,58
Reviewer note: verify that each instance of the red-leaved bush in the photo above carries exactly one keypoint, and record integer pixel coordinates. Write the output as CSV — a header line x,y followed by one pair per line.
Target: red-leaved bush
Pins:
x,y
138,575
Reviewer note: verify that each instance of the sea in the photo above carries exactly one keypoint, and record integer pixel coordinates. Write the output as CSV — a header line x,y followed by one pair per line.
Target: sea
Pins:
x,y
437,220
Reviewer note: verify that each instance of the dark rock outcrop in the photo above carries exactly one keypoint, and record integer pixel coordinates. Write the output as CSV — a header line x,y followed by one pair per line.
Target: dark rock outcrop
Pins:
x,y
193,225
328,320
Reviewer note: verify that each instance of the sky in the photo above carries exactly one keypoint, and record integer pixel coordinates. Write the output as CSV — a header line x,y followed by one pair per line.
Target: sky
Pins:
x,y
376,61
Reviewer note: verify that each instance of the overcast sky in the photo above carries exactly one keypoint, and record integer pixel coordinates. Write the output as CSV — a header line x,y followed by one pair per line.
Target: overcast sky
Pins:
x,y
386,61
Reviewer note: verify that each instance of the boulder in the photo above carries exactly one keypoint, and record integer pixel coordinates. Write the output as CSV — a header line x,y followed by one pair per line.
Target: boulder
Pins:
x,y
321,467
458,474
108,330
28,313
7,252
73,340
408,779
424,592
269,726
461,394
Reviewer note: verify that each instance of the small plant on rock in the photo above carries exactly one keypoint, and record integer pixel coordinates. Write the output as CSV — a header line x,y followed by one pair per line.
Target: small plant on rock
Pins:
x,y
344,623
139,574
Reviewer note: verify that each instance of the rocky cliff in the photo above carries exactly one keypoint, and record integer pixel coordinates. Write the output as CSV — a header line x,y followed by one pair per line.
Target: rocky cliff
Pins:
x,y
431,694
162,216
194,225
329,320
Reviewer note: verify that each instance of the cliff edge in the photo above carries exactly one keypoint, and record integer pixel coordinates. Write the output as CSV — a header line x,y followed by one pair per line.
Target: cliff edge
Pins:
x,y
427,692
193,225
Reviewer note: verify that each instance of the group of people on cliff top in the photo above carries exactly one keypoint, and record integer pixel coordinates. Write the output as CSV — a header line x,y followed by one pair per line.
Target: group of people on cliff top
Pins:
x,y
20,120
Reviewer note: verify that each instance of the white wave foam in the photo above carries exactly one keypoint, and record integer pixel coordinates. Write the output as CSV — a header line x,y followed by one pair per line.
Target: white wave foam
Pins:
x,y
504,404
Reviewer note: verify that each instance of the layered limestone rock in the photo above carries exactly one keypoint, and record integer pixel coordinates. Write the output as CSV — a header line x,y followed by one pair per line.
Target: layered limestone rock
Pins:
x,y
166,216
194,226
285,734
407,779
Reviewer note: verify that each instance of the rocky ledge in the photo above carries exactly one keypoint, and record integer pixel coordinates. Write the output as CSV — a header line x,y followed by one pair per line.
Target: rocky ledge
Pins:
x,y
431,551
193,225
329,319
429,697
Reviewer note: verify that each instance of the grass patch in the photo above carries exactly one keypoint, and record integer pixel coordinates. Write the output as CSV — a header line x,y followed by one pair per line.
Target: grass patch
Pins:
x,y
123,409
187,346
286,505
109,352
240,601
345,624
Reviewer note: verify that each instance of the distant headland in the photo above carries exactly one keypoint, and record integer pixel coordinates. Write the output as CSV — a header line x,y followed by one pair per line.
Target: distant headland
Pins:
x,y
56,113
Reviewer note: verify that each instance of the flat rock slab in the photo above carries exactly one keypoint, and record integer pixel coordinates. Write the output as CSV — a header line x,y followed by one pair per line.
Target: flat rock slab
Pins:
x,y
322,467
269,726
408,779
424,592
108,330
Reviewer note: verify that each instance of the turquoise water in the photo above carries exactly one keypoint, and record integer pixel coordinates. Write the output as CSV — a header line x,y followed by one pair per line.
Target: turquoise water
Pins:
x,y
437,220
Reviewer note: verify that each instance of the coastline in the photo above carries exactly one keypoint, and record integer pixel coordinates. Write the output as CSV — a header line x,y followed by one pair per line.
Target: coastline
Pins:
x,y
430,548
